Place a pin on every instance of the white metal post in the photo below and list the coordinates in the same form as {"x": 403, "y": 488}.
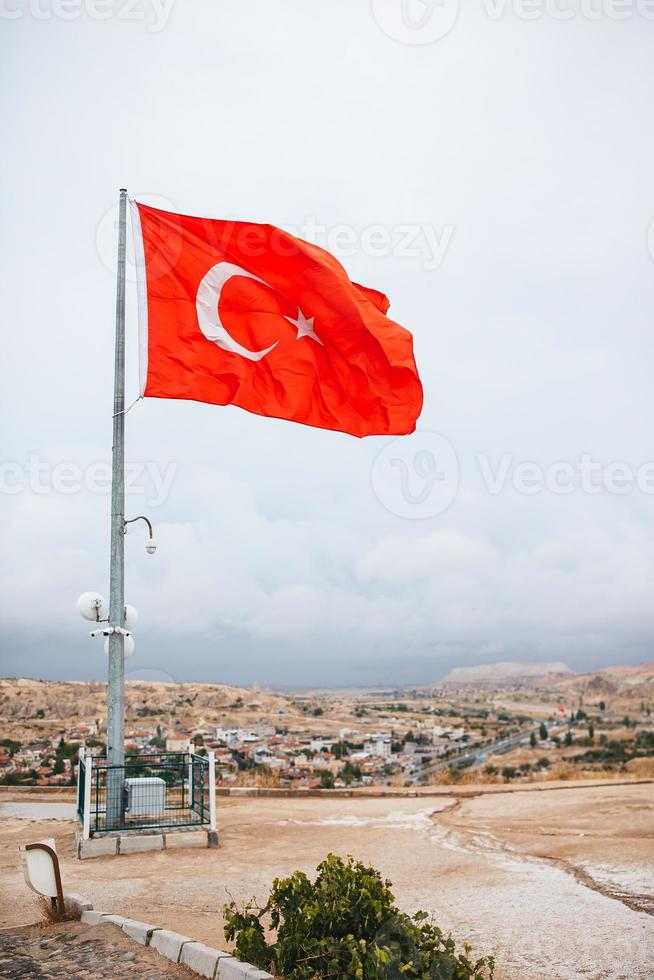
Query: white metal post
{"x": 212, "y": 791}
{"x": 80, "y": 763}
{"x": 88, "y": 775}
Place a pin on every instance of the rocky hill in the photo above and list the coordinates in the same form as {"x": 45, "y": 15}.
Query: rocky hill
{"x": 64, "y": 702}
{"x": 509, "y": 670}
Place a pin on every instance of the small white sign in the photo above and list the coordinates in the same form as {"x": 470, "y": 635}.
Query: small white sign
{"x": 39, "y": 867}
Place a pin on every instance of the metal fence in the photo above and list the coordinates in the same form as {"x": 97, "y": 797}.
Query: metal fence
{"x": 149, "y": 792}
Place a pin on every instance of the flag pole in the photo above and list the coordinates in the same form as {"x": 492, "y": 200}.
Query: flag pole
{"x": 116, "y": 669}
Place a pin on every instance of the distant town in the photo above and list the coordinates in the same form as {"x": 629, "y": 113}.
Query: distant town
{"x": 560, "y": 725}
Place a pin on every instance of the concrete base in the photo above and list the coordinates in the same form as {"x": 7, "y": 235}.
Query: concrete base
{"x": 139, "y": 841}
{"x": 96, "y": 847}
{"x": 186, "y": 838}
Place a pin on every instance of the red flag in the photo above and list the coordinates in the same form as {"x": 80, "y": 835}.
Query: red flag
{"x": 234, "y": 313}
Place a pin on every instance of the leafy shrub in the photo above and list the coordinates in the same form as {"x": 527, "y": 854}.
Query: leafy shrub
{"x": 345, "y": 924}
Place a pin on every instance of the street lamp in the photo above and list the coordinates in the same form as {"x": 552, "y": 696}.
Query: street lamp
{"x": 93, "y": 606}
{"x": 151, "y": 544}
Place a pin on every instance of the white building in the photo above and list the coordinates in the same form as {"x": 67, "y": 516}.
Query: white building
{"x": 379, "y": 745}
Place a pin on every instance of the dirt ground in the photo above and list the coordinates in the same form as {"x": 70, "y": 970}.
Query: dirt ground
{"x": 557, "y": 884}
{"x": 81, "y": 952}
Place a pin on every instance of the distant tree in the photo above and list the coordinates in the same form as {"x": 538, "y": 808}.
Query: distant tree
{"x": 317, "y": 712}
{"x": 533, "y": 741}
{"x": 542, "y": 731}
{"x": 58, "y": 765}
{"x": 544, "y": 762}
{"x": 326, "y": 779}
{"x": 509, "y": 773}
{"x": 10, "y": 779}
{"x": 11, "y": 745}
{"x": 602, "y": 705}
{"x": 350, "y": 773}
{"x": 568, "y": 737}
{"x": 591, "y": 730}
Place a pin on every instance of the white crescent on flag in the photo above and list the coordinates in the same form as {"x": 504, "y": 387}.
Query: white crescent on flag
{"x": 206, "y": 304}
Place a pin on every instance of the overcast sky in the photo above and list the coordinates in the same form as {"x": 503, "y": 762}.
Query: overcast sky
{"x": 493, "y": 175}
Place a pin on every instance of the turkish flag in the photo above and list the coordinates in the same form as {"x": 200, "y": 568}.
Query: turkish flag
{"x": 234, "y": 313}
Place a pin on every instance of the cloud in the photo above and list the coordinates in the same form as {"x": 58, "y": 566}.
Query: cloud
{"x": 276, "y": 560}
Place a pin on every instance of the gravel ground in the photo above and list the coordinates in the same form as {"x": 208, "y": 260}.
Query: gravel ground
{"x": 81, "y": 952}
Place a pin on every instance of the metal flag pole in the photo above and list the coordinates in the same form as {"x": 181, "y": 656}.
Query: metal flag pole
{"x": 116, "y": 673}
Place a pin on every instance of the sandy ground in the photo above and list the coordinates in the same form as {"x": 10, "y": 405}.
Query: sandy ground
{"x": 556, "y": 884}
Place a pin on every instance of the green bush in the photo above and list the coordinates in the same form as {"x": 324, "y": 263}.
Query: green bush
{"x": 345, "y": 924}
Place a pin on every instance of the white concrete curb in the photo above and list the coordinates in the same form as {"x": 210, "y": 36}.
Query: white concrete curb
{"x": 214, "y": 964}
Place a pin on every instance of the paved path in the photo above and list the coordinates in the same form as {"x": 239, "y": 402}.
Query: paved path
{"x": 80, "y": 952}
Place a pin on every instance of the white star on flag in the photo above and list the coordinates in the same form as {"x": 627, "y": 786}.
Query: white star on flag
{"x": 304, "y": 327}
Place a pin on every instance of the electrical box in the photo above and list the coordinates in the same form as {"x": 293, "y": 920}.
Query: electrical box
{"x": 146, "y": 795}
